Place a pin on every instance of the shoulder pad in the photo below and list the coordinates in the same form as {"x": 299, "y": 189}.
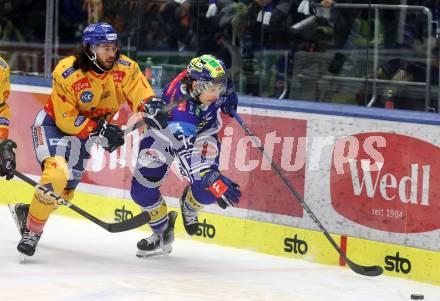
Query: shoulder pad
{"x": 67, "y": 72}
{"x": 64, "y": 67}
{"x": 179, "y": 128}
{"x": 175, "y": 83}
{"x": 124, "y": 62}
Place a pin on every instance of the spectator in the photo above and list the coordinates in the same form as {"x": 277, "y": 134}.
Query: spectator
{"x": 319, "y": 41}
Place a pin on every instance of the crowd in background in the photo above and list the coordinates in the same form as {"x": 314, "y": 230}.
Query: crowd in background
{"x": 261, "y": 41}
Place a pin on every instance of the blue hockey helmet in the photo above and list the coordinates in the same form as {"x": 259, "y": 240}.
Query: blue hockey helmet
{"x": 207, "y": 70}
{"x": 99, "y": 33}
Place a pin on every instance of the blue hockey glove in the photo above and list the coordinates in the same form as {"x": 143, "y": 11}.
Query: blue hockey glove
{"x": 109, "y": 136}
{"x": 155, "y": 114}
{"x": 227, "y": 192}
{"x": 7, "y": 158}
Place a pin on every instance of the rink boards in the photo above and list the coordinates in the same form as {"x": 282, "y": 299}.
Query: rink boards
{"x": 369, "y": 176}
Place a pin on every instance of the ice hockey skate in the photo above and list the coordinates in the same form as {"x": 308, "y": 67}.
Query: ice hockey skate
{"x": 28, "y": 243}
{"x": 158, "y": 244}
{"x": 189, "y": 217}
{"x": 19, "y": 213}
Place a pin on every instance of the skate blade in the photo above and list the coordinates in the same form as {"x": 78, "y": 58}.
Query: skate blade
{"x": 164, "y": 251}
{"x": 23, "y": 258}
{"x": 14, "y": 216}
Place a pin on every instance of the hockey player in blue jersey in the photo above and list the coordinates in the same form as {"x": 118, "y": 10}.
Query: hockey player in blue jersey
{"x": 184, "y": 134}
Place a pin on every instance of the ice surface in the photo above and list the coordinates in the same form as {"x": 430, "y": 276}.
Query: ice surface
{"x": 79, "y": 261}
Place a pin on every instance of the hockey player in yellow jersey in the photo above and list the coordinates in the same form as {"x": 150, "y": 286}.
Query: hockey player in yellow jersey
{"x": 87, "y": 90}
{"x": 7, "y": 146}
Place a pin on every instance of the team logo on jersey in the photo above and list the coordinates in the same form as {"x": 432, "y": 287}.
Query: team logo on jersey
{"x": 3, "y": 64}
{"x": 220, "y": 101}
{"x": 118, "y": 76}
{"x": 79, "y": 120}
{"x": 126, "y": 63}
{"x": 194, "y": 109}
{"x": 151, "y": 158}
{"x": 86, "y": 96}
{"x": 38, "y": 135}
{"x": 68, "y": 72}
{"x": 182, "y": 106}
{"x": 81, "y": 84}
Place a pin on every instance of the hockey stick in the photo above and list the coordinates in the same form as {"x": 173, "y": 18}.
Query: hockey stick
{"x": 360, "y": 269}
{"x": 134, "y": 126}
{"x": 132, "y": 223}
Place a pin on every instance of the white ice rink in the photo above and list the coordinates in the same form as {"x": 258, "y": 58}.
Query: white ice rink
{"x": 79, "y": 261}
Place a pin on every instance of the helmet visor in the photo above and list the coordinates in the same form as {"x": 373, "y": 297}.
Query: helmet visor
{"x": 104, "y": 48}
{"x": 212, "y": 86}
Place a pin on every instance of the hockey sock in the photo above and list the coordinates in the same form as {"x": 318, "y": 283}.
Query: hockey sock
{"x": 159, "y": 216}
{"x": 54, "y": 176}
{"x": 190, "y": 201}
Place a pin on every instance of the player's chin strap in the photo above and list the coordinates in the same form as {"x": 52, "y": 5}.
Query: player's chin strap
{"x": 360, "y": 269}
{"x": 132, "y": 223}
{"x": 94, "y": 59}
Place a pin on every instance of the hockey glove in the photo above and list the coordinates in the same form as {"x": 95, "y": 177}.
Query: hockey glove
{"x": 227, "y": 192}
{"x": 155, "y": 114}
{"x": 7, "y": 158}
{"x": 231, "y": 100}
{"x": 109, "y": 136}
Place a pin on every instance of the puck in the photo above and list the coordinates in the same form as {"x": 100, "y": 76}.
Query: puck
{"x": 417, "y": 297}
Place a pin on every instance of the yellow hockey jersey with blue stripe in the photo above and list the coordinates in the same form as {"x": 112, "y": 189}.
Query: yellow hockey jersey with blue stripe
{"x": 80, "y": 98}
{"x": 5, "y": 112}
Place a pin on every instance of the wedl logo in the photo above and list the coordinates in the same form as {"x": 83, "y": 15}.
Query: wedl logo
{"x": 387, "y": 181}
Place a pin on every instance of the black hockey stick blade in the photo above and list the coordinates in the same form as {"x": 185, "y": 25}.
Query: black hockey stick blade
{"x": 132, "y": 223}
{"x": 129, "y": 224}
{"x": 359, "y": 269}
{"x": 371, "y": 271}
